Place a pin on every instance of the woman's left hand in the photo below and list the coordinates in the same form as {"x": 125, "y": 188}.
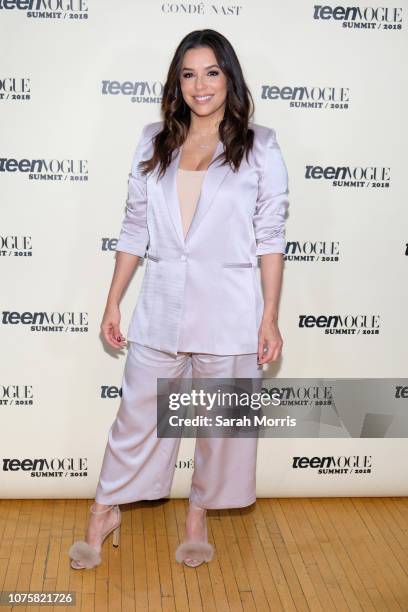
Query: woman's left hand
{"x": 269, "y": 336}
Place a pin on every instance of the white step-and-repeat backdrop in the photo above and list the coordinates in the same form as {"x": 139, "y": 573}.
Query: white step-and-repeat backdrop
{"x": 78, "y": 81}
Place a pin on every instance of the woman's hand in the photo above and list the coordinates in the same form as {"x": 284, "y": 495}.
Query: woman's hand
{"x": 110, "y": 327}
{"x": 269, "y": 336}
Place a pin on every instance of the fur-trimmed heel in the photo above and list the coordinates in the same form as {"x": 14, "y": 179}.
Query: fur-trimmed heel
{"x": 85, "y": 556}
{"x": 193, "y": 552}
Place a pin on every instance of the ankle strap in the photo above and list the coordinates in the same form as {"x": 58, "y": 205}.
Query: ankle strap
{"x": 101, "y": 511}
{"x": 196, "y": 507}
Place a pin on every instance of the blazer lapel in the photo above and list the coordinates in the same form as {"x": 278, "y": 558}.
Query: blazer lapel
{"x": 213, "y": 178}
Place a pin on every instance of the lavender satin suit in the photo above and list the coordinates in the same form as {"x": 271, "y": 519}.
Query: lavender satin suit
{"x": 197, "y": 315}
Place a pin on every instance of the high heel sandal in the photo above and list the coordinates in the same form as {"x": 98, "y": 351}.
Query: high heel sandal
{"x": 85, "y": 556}
{"x": 194, "y": 552}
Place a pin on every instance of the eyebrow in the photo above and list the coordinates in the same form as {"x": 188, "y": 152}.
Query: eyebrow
{"x": 206, "y": 67}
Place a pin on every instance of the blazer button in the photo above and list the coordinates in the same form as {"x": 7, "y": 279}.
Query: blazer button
{"x": 183, "y": 258}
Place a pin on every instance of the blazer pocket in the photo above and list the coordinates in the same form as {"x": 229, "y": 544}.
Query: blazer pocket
{"x": 237, "y": 265}
{"x": 153, "y": 257}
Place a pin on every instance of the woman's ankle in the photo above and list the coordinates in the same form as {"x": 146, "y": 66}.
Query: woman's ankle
{"x": 98, "y": 506}
{"x": 195, "y": 507}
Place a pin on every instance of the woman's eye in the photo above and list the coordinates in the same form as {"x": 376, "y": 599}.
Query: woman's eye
{"x": 212, "y": 72}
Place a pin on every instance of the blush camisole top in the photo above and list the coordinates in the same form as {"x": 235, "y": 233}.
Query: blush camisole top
{"x": 189, "y": 188}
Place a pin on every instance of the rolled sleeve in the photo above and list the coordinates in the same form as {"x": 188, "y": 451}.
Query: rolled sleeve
{"x": 272, "y": 201}
{"x": 134, "y": 235}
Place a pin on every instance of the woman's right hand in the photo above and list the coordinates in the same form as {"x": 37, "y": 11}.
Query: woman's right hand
{"x": 110, "y": 327}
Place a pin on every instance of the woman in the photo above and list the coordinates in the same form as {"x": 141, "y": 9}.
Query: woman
{"x": 207, "y": 197}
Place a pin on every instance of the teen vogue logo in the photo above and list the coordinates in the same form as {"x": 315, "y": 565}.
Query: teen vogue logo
{"x": 16, "y": 395}
{"x": 47, "y": 170}
{"x": 343, "y": 465}
{"x": 140, "y": 92}
{"x": 187, "y": 8}
{"x": 110, "y": 392}
{"x": 15, "y": 246}
{"x": 55, "y": 467}
{"x": 359, "y": 17}
{"x": 109, "y": 244}
{"x": 349, "y": 324}
{"x": 401, "y": 392}
{"x": 302, "y": 395}
{"x": 312, "y": 251}
{"x": 373, "y": 177}
{"x": 300, "y": 96}
{"x": 48, "y": 9}
{"x": 15, "y": 88}
{"x": 63, "y": 322}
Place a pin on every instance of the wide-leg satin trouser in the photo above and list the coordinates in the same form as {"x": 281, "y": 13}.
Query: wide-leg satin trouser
{"x": 137, "y": 465}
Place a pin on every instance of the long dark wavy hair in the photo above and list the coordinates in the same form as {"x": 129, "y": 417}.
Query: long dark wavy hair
{"x": 234, "y": 131}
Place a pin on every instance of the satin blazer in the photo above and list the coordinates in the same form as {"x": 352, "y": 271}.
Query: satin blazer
{"x": 206, "y": 288}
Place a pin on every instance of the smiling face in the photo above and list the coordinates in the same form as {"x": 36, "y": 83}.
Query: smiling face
{"x": 203, "y": 84}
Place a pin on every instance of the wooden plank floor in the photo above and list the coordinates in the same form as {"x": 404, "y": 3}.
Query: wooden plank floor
{"x": 278, "y": 554}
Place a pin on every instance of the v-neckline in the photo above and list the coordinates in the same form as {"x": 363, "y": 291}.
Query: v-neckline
{"x": 211, "y": 181}
{"x": 211, "y": 160}
{"x": 207, "y": 173}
